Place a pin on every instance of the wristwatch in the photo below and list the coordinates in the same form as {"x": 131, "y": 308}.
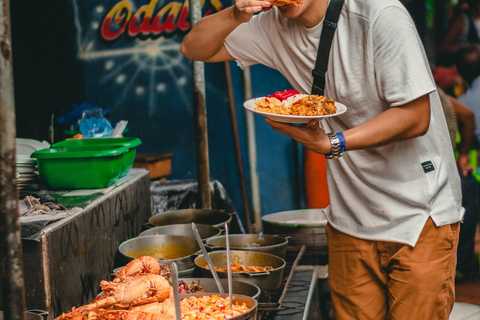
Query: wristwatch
{"x": 335, "y": 142}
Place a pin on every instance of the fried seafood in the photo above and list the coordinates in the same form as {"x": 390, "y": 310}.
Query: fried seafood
{"x": 145, "y": 264}
{"x": 313, "y": 105}
{"x": 237, "y": 267}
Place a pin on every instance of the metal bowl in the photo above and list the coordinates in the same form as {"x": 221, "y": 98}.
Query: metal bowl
{"x": 164, "y": 248}
{"x": 303, "y": 227}
{"x": 238, "y": 286}
{"x": 251, "y": 242}
{"x": 267, "y": 281}
{"x": 184, "y": 229}
{"x": 216, "y": 218}
{"x": 252, "y": 304}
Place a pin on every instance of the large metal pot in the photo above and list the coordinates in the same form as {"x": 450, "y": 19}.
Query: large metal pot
{"x": 303, "y": 227}
{"x": 164, "y": 248}
{"x": 251, "y": 303}
{"x": 266, "y": 281}
{"x": 184, "y": 229}
{"x": 251, "y": 242}
{"x": 216, "y": 218}
{"x": 28, "y": 316}
{"x": 238, "y": 286}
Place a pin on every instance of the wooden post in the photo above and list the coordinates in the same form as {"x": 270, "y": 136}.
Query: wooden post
{"x": 11, "y": 256}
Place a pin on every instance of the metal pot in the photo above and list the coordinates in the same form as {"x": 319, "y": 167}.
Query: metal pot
{"x": 28, "y": 316}
{"x": 251, "y": 242}
{"x": 238, "y": 287}
{"x": 266, "y": 281}
{"x": 252, "y": 304}
{"x": 184, "y": 229}
{"x": 303, "y": 227}
{"x": 164, "y": 248}
{"x": 216, "y": 218}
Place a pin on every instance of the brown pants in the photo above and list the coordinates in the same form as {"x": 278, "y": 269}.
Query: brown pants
{"x": 386, "y": 280}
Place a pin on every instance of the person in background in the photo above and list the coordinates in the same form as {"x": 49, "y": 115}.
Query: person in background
{"x": 395, "y": 199}
{"x": 463, "y": 29}
{"x": 467, "y": 61}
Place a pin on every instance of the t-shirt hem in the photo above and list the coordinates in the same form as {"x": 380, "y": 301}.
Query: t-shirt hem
{"x": 411, "y": 242}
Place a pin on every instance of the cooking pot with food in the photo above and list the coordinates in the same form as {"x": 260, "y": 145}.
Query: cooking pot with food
{"x": 28, "y": 316}
{"x": 251, "y": 242}
{"x": 184, "y": 229}
{"x": 267, "y": 280}
{"x": 214, "y": 217}
{"x": 164, "y": 248}
{"x": 251, "y": 305}
{"x": 209, "y": 285}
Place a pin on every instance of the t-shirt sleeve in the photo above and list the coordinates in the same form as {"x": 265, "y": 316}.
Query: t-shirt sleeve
{"x": 248, "y": 43}
{"x": 401, "y": 68}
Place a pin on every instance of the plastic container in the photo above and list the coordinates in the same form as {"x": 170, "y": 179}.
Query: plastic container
{"x": 130, "y": 143}
{"x": 87, "y": 167}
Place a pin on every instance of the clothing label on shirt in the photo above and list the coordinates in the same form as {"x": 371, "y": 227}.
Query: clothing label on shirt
{"x": 427, "y": 166}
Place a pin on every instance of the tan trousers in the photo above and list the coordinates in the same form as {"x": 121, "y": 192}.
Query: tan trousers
{"x": 385, "y": 280}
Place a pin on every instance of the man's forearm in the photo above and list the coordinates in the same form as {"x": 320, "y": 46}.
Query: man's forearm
{"x": 207, "y": 36}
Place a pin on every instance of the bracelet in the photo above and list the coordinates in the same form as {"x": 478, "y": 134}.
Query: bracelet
{"x": 342, "y": 141}
{"x": 335, "y": 143}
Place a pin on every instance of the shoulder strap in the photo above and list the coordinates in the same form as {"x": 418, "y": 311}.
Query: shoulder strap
{"x": 323, "y": 54}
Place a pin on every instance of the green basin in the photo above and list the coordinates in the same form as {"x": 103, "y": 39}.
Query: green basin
{"x": 80, "y": 167}
{"x": 130, "y": 143}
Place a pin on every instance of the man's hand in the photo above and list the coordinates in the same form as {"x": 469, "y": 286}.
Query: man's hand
{"x": 245, "y": 9}
{"x": 463, "y": 164}
{"x": 310, "y": 135}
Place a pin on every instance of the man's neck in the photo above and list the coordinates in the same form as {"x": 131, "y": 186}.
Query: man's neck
{"x": 314, "y": 13}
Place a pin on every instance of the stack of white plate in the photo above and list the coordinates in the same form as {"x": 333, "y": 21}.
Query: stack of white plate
{"x": 27, "y": 171}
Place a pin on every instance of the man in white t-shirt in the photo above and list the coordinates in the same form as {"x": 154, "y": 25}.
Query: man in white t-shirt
{"x": 395, "y": 194}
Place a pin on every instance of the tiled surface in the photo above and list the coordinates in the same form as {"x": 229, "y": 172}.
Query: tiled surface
{"x": 469, "y": 291}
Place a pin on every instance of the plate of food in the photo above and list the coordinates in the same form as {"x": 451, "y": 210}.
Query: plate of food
{"x": 290, "y": 106}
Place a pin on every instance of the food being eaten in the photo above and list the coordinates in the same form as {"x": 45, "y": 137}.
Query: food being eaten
{"x": 281, "y": 3}
{"x": 297, "y": 105}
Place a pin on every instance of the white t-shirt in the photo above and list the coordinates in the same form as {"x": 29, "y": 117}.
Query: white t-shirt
{"x": 376, "y": 62}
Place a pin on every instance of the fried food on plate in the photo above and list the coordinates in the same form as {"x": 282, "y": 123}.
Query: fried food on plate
{"x": 313, "y": 105}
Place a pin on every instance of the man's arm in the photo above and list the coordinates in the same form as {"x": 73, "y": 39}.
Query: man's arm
{"x": 205, "y": 41}
{"x": 395, "y": 124}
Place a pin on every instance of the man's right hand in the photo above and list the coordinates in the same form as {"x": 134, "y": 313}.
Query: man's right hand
{"x": 245, "y": 9}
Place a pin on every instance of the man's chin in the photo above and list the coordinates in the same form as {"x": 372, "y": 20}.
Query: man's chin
{"x": 289, "y": 11}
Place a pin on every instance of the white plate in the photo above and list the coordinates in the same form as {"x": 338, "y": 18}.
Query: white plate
{"x": 28, "y": 146}
{"x": 250, "y": 106}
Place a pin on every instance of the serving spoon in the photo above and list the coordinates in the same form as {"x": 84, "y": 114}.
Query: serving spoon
{"x": 207, "y": 258}
{"x": 229, "y": 267}
{"x": 176, "y": 295}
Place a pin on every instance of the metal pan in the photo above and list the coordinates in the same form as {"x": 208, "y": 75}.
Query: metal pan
{"x": 252, "y": 304}
{"x": 238, "y": 287}
{"x": 251, "y": 242}
{"x": 164, "y": 248}
{"x": 216, "y": 218}
{"x": 266, "y": 281}
{"x": 184, "y": 229}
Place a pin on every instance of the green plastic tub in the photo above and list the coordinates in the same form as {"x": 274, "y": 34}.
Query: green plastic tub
{"x": 88, "y": 167}
{"x": 130, "y": 143}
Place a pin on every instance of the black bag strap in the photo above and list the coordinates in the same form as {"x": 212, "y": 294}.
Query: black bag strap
{"x": 323, "y": 54}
